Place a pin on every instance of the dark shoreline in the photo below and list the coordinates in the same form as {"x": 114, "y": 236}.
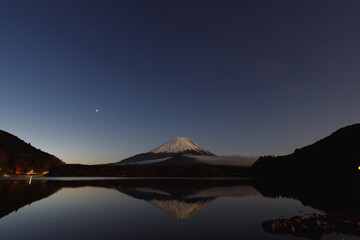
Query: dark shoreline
{"x": 134, "y": 170}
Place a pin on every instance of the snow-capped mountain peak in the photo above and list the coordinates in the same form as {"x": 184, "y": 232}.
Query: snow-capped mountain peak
{"x": 174, "y": 148}
{"x": 179, "y": 145}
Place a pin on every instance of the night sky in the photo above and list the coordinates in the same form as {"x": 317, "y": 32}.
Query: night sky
{"x": 98, "y": 81}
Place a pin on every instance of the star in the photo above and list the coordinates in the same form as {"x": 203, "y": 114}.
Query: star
{"x": 97, "y": 110}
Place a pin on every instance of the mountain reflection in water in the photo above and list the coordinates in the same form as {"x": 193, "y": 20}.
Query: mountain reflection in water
{"x": 179, "y": 198}
{"x": 182, "y": 199}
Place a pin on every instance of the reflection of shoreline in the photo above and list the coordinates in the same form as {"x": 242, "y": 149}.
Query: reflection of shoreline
{"x": 338, "y": 199}
{"x": 316, "y": 226}
{"x": 16, "y": 194}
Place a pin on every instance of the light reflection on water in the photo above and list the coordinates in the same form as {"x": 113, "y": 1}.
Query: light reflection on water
{"x": 133, "y": 210}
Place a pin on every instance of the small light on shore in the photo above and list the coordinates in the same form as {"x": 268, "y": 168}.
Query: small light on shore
{"x": 359, "y": 167}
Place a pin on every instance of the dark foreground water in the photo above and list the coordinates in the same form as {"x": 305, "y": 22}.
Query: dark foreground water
{"x": 174, "y": 209}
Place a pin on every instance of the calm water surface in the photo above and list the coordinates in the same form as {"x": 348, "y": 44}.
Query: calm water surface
{"x": 159, "y": 209}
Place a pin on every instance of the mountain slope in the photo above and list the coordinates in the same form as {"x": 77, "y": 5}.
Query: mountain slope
{"x": 336, "y": 155}
{"x": 173, "y": 148}
{"x": 16, "y": 156}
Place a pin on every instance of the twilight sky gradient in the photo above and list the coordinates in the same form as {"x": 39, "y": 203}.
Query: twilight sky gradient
{"x": 237, "y": 77}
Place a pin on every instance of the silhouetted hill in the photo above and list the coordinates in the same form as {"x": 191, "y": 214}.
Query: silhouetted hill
{"x": 16, "y": 156}
{"x": 336, "y": 155}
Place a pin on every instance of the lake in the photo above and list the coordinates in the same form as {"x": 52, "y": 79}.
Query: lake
{"x": 107, "y": 208}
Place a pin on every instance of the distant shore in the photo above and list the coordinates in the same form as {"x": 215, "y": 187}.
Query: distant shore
{"x": 4, "y": 176}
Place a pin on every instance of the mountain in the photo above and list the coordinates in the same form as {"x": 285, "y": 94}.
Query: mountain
{"x": 335, "y": 156}
{"x": 174, "y": 148}
{"x": 19, "y": 157}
